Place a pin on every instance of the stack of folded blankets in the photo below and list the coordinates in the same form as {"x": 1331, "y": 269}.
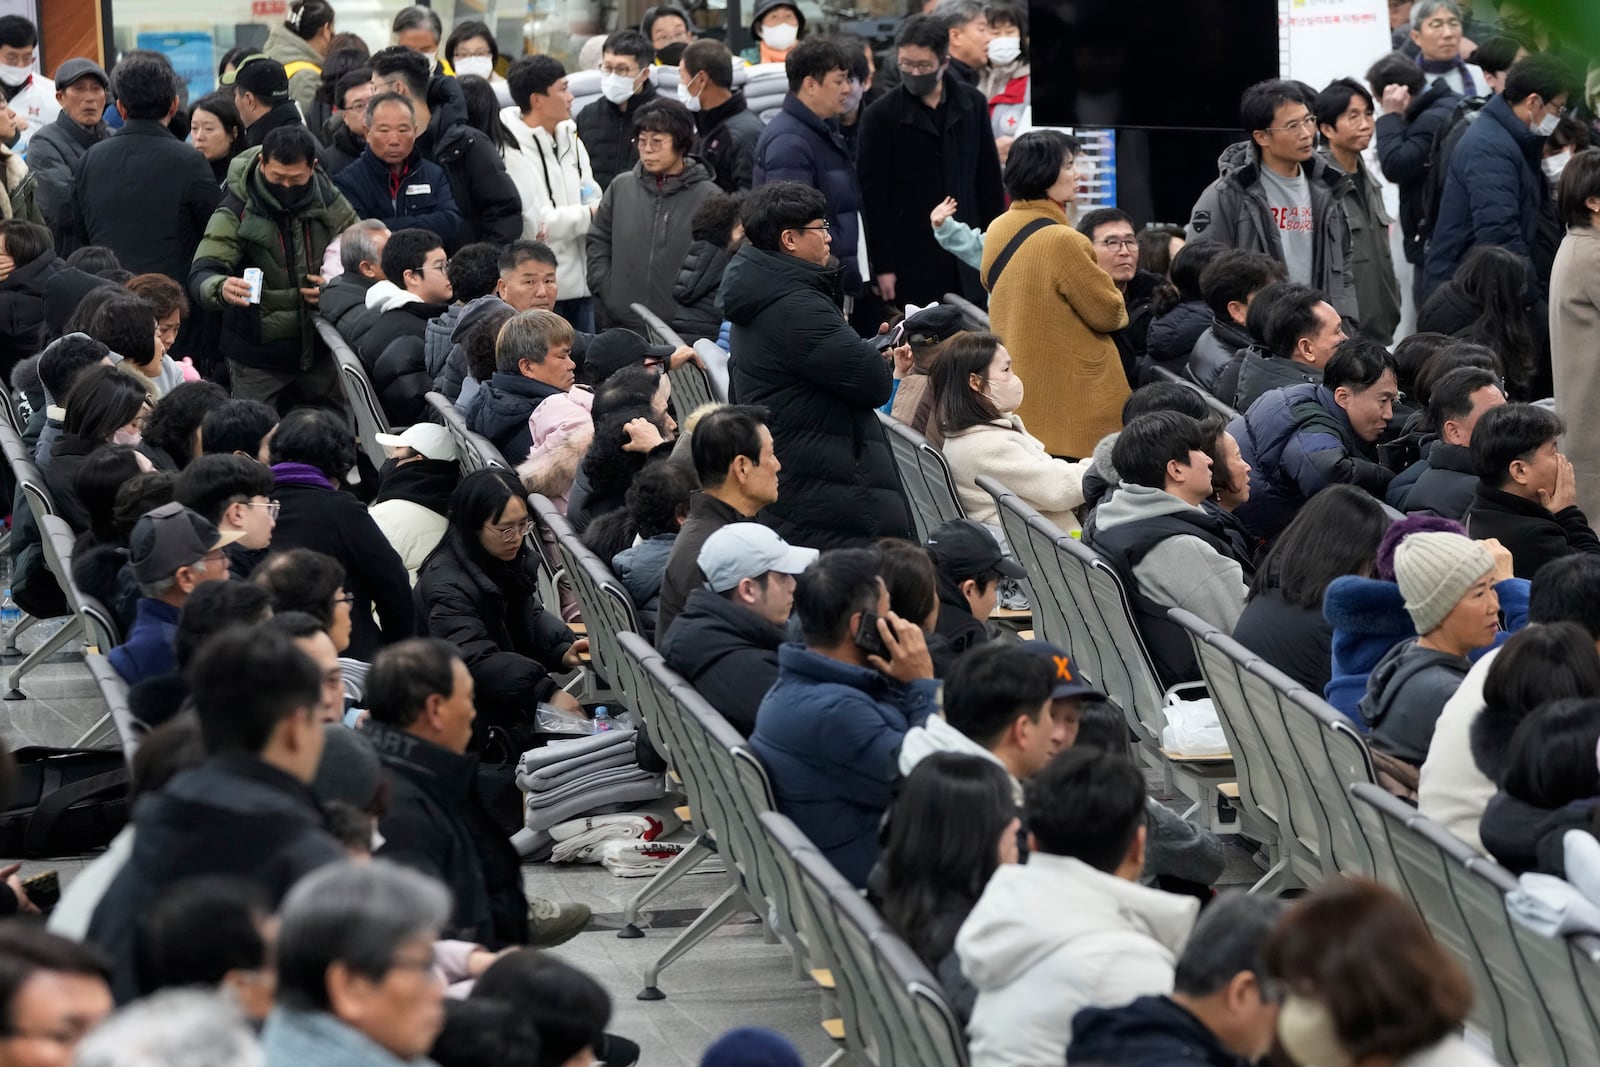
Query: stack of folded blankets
{"x": 584, "y": 776}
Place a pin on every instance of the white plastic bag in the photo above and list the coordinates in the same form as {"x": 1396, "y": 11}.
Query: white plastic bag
{"x": 1193, "y": 729}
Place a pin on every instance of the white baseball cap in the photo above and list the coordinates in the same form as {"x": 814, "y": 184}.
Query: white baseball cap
{"x": 425, "y": 438}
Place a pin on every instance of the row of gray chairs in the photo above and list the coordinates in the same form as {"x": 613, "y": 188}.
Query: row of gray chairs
{"x": 692, "y": 387}
{"x": 359, "y": 395}
{"x": 1165, "y": 375}
{"x": 605, "y": 605}
{"x": 476, "y": 451}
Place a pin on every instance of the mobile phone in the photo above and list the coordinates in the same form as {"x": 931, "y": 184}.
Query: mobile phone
{"x": 43, "y": 889}
{"x": 892, "y": 339}
{"x": 868, "y": 639}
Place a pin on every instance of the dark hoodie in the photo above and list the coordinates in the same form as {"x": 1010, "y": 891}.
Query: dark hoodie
{"x": 1150, "y": 1032}
{"x": 502, "y": 413}
{"x": 959, "y": 628}
{"x": 235, "y": 815}
{"x": 1175, "y": 332}
{"x": 1523, "y": 837}
{"x": 491, "y": 209}
{"x": 697, "y": 292}
{"x": 1405, "y": 694}
{"x": 450, "y": 370}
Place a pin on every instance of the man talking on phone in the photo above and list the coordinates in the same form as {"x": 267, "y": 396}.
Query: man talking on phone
{"x": 279, "y": 213}
{"x": 830, "y": 729}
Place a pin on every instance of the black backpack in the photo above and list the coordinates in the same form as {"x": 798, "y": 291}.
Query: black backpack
{"x": 1444, "y": 145}
{"x": 65, "y": 801}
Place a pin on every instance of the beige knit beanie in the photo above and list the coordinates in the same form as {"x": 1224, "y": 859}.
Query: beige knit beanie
{"x": 1434, "y": 571}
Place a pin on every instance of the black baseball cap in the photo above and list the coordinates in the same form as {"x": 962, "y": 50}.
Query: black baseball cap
{"x": 962, "y": 548}
{"x": 611, "y": 350}
{"x": 261, "y": 76}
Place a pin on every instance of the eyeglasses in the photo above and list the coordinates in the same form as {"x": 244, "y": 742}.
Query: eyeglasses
{"x": 272, "y": 506}
{"x": 626, "y": 72}
{"x": 821, "y": 227}
{"x": 1112, "y": 244}
{"x": 347, "y": 598}
{"x": 512, "y": 532}
{"x": 441, "y": 266}
{"x": 1307, "y": 123}
{"x": 653, "y": 144}
{"x": 918, "y": 68}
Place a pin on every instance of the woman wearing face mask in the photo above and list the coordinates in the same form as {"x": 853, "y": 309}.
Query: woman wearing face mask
{"x": 419, "y": 29}
{"x": 1051, "y": 301}
{"x": 105, "y": 406}
{"x": 471, "y": 49}
{"x": 299, "y": 42}
{"x": 1006, "y": 82}
{"x": 777, "y": 25}
{"x": 976, "y": 393}
{"x": 1365, "y": 984}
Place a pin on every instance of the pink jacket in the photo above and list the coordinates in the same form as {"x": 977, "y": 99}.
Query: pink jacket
{"x": 561, "y": 430}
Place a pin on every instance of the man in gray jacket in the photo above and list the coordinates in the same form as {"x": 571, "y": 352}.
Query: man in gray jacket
{"x": 55, "y": 151}
{"x": 1275, "y": 195}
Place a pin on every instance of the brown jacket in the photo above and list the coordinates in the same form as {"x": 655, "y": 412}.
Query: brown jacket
{"x": 1055, "y": 309}
{"x": 1574, "y": 346}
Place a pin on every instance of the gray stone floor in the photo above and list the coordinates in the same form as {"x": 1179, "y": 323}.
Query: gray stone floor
{"x": 734, "y": 978}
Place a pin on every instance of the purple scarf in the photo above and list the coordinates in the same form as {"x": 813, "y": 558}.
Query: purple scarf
{"x": 1445, "y": 66}
{"x": 299, "y": 474}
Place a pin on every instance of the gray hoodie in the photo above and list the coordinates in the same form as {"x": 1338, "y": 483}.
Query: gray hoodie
{"x": 1180, "y": 572}
{"x": 1405, "y": 694}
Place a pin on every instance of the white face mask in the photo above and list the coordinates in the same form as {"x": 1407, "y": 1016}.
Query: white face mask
{"x": 124, "y": 437}
{"x": 482, "y": 66}
{"x": 1006, "y": 395}
{"x": 1554, "y": 165}
{"x": 15, "y": 76}
{"x": 779, "y": 37}
{"x": 617, "y": 88}
{"x": 1547, "y": 125}
{"x": 688, "y": 99}
{"x": 1003, "y": 50}
{"x": 432, "y": 58}
{"x": 853, "y": 101}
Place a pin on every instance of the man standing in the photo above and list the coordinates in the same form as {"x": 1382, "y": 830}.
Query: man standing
{"x": 727, "y": 130}
{"x": 278, "y": 215}
{"x": 1493, "y": 188}
{"x": 606, "y": 126}
{"x": 725, "y": 640}
{"x": 800, "y": 144}
{"x": 1436, "y": 27}
{"x": 56, "y": 149}
{"x": 391, "y": 182}
{"x": 967, "y": 27}
{"x": 1275, "y": 195}
{"x": 490, "y": 208}
{"x": 1116, "y": 249}
{"x": 800, "y": 359}
{"x": 922, "y": 142}
{"x": 261, "y": 93}
{"x": 31, "y": 95}
{"x": 420, "y": 695}
{"x": 1412, "y": 118}
{"x": 142, "y": 193}
{"x": 1344, "y": 118}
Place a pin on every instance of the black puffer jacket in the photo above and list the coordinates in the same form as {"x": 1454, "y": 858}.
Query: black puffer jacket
{"x": 402, "y": 381}
{"x": 607, "y": 132}
{"x": 1174, "y": 332}
{"x": 727, "y": 652}
{"x": 437, "y": 823}
{"x": 22, "y": 309}
{"x": 697, "y": 292}
{"x": 491, "y": 210}
{"x": 1214, "y": 351}
{"x": 799, "y": 358}
{"x": 492, "y": 613}
{"x": 343, "y": 305}
{"x": 1133, "y": 339}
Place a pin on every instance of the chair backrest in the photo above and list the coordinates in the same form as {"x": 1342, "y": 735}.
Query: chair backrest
{"x": 634, "y": 680}
{"x": 691, "y": 386}
{"x": 1585, "y": 950}
{"x": 977, "y": 318}
{"x": 1422, "y": 867}
{"x": 1212, "y": 402}
{"x": 1123, "y": 668}
{"x": 552, "y": 571}
{"x": 933, "y": 499}
{"x": 733, "y": 809}
{"x": 686, "y": 759}
{"x": 920, "y": 1002}
{"x": 1222, "y": 661}
{"x": 1332, "y": 757}
{"x": 114, "y": 691}
{"x": 1553, "y": 965}
{"x": 476, "y": 451}
{"x": 27, "y": 473}
{"x": 1267, "y": 690}
{"x": 359, "y": 394}
{"x": 1029, "y": 545}
{"x": 607, "y": 609}
{"x": 102, "y": 632}
{"x": 8, "y": 410}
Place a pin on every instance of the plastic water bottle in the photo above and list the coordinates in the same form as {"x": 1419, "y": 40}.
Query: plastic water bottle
{"x": 602, "y": 720}
{"x": 589, "y": 193}
{"x": 10, "y": 616}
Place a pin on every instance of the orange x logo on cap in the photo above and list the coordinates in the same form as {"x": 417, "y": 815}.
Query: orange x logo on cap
{"x": 1063, "y": 668}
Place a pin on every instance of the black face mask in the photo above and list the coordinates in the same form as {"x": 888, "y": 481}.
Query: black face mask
{"x": 921, "y": 84}
{"x": 288, "y": 197}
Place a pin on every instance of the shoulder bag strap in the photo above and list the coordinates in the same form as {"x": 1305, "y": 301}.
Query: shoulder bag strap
{"x": 1011, "y": 248}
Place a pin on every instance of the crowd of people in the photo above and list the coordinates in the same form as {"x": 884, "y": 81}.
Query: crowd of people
{"x": 336, "y": 665}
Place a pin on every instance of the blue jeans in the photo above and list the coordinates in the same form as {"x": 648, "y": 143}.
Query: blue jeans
{"x": 579, "y": 313}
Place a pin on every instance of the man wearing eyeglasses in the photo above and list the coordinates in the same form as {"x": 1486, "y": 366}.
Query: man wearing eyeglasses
{"x": 1274, "y": 195}
{"x": 173, "y": 551}
{"x": 1116, "y": 249}
{"x": 926, "y": 140}
{"x": 233, "y": 493}
{"x": 417, "y": 290}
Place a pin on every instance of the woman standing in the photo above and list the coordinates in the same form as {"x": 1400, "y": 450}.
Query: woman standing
{"x": 1575, "y": 322}
{"x": 1052, "y": 304}
{"x": 471, "y": 50}
{"x": 299, "y": 42}
{"x": 217, "y": 132}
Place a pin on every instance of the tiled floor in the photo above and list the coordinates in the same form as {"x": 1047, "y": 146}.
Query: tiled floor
{"x": 735, "y": 978}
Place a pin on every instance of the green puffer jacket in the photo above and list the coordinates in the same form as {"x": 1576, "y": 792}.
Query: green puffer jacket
{"x": 250, "y": 229}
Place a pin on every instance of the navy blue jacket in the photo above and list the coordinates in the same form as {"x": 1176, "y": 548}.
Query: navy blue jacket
{"x": 502, "y": 411}
{"x": 1299, "y": 441}
{"x": 830, "y": 735}
{"x": 149, "y": 650}
{"x": 1150, "y": 1032}
{"x": 1492, "y": 193}
{"x": 419, "y": 197}
{"x": 797, "y": 146}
